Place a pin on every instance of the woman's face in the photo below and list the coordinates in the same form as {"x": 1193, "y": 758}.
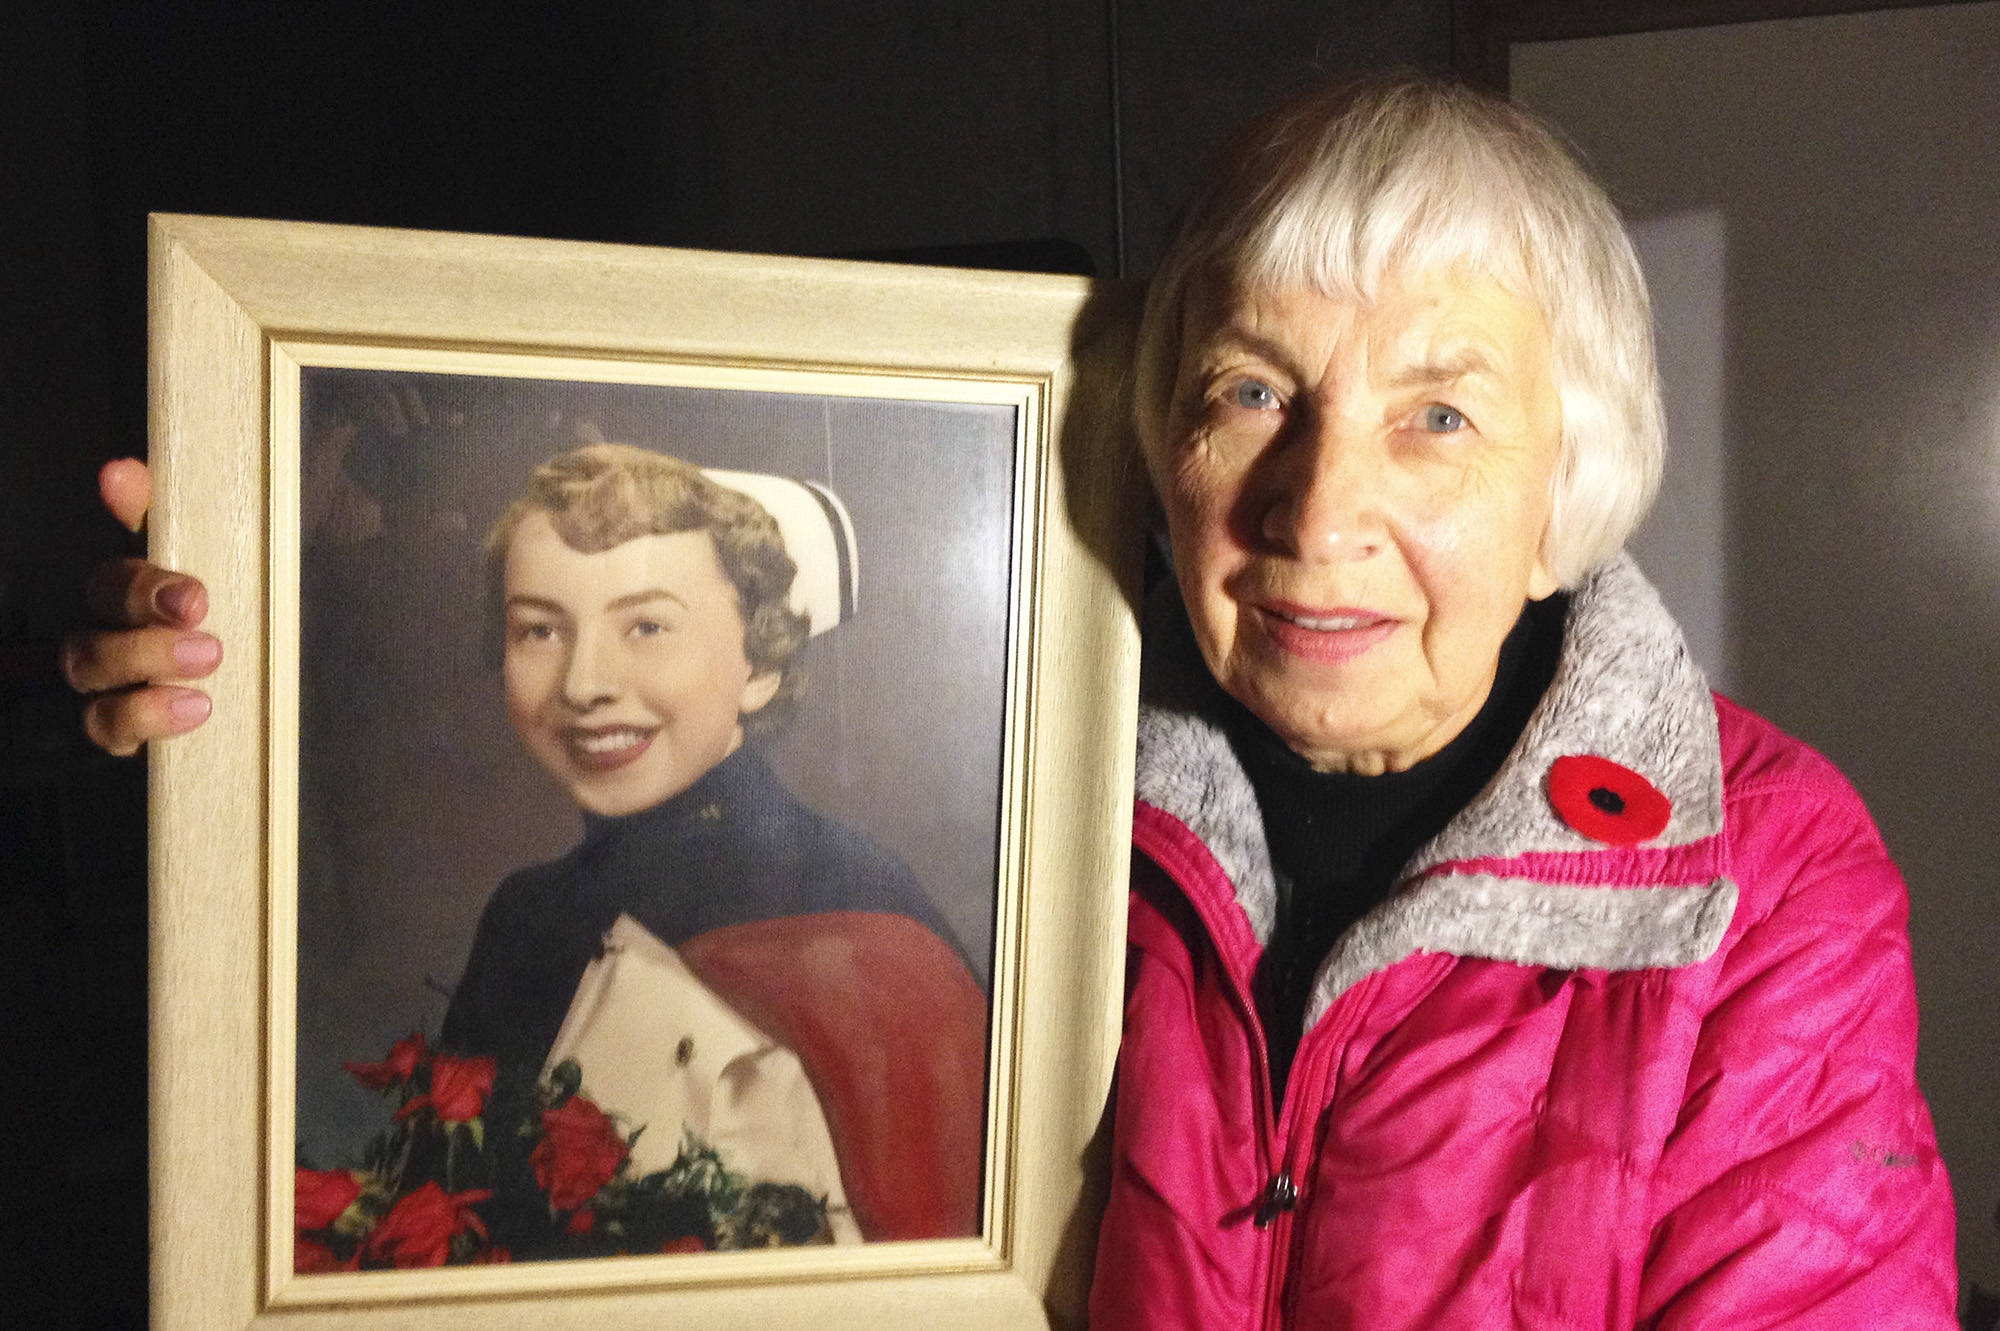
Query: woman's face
{"x": 626, "y": 676}
{"x": 1357, "y": 495}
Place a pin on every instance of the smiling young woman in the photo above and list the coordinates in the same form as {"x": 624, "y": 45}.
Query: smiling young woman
{"x": 648, "y": 630}
{"x": 625, "y": 668}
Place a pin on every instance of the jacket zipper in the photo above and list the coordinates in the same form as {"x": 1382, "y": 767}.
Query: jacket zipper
{"x": 1285, "y": 1142}
{"x": 1283, "y": 1198}
{"x": 1280, "y": 1197}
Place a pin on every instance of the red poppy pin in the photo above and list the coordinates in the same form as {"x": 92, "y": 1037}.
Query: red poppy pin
{"x": 1605, "y": 801}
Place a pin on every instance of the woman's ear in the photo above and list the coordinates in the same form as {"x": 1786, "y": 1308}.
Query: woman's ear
{"x": 1541, "y": 583}
{"x": 758, "y": 690}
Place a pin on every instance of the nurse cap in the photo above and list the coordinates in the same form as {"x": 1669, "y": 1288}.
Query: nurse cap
{"x": 818, "y": 535}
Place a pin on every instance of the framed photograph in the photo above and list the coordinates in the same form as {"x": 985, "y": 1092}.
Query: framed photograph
{"x": 659, "y": 854}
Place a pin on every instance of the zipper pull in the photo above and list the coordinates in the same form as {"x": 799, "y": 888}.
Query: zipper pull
{"x": 1280, "y": 1194}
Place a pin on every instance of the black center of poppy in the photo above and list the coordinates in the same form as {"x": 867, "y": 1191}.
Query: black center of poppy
{"x": 1607, "y": 799}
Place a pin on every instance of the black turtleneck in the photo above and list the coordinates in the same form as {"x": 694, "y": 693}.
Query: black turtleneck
{"x": 1338, "y": 840}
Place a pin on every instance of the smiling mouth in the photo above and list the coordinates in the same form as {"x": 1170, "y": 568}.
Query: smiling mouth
{"x": 1326, "y": 623}
{"x": 607, "y": 748}
{"x": 1325, "y": 636}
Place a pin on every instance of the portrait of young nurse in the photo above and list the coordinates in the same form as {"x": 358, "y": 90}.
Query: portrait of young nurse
{"x": 650, "y": 764}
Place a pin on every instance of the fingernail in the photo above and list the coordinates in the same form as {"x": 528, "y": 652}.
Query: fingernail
{"x": 197, "y": 653}
{"x": 188, "y": 710}
{"x": 174, "y": 599}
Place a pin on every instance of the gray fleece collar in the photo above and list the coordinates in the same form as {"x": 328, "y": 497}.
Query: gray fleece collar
{"x": 1625, "y": 689}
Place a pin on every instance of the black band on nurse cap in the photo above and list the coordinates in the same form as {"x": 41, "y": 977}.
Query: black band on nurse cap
{"x": 818, "y": 535}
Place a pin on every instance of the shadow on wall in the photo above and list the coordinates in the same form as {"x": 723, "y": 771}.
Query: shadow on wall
{"x": 1684, "y": 543}
{"x": 1833, "y": 266}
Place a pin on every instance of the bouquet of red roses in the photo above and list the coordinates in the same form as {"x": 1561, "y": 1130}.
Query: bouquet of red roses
{"x": 477, "y": 1167}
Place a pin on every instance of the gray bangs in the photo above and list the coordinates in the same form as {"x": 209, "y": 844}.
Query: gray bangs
{"x": 1363, "y": 211}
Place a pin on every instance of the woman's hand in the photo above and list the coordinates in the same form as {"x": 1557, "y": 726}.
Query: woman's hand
{"x": 130, "y": 669}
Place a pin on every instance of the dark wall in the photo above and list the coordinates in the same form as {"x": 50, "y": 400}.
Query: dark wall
{"x": 961, "y": 131}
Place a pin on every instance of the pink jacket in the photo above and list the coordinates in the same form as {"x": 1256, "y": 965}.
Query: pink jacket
{"x": 1552, "y": 1082}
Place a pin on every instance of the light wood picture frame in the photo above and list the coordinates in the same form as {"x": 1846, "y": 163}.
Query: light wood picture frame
{"x": 253, "y": 324}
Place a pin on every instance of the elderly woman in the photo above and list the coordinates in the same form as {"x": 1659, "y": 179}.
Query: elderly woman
{"x": 1485, "y": 969}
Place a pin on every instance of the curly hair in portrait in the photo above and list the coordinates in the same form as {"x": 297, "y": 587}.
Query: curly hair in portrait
{"x": 602, "y": 495}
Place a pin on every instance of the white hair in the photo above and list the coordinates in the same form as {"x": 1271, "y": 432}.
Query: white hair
{"x": 1348, "y": 185}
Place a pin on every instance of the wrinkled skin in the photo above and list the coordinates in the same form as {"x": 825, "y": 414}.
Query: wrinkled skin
{"x": 1357, "y": 494}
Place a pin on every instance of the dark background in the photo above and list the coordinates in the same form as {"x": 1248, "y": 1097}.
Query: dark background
{"x": 1048, "y": 134}
{"x": 973, "y": 132}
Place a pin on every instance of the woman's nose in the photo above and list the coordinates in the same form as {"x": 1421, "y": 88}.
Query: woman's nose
{"x": 588, "y": 678}
{"x": 1327, "y": 501}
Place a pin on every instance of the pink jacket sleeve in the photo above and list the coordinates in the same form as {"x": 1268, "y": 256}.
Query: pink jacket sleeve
{"x": 1802, "y": 1186}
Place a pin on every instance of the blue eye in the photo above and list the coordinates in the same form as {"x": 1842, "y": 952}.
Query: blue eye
{"x": 1256, "y": 395}
{"x": 1440, "y": 419}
